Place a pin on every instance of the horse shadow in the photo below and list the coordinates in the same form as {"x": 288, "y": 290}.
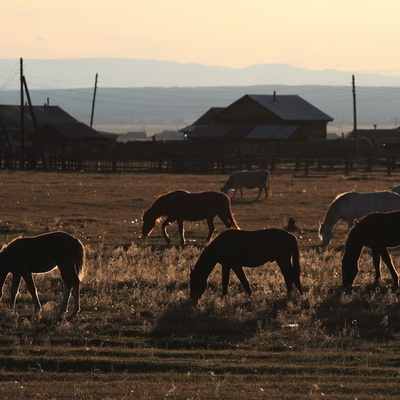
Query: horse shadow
{"x": 182, "y": 320}
{"x": 246, "y": 201}
{"x": 358, "y": 312}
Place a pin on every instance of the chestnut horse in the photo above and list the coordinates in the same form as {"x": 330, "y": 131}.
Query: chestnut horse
{"x": 377, "y": 231}
{"x": 181, "y": 205}
{"x": 24, "y": 256}
{"x": 235, "y": 249}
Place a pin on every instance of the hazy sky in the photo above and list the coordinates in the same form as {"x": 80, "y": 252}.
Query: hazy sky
{"x": 350, "y": 35}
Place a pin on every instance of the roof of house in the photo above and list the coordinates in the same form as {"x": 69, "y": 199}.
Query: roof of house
{"x": 11, "y": 116}
{"x": 260, "y": 110}
{"x": 48, "y": 118}
{"x": 378, "y": 135}
{"x": 289, "y": 107}
{"x": 209, "y": 116}
{"x": 248, "y": 131}
{"x": 77, "y": 130}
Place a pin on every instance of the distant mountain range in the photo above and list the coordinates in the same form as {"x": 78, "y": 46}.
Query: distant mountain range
{"x": 140, "y": 92}
{"x": 78, "y": 73}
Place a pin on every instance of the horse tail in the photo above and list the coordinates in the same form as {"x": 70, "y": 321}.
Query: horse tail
{"x": 296, "y": 257}
{"x": 80, "y": 259}
{"x": 233, "y": 222}
{"x": 230, "y": 216}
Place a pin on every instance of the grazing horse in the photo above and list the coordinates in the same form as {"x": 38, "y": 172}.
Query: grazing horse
{"x": 235, "y": 249}
{"x": 181, "y": 205}
{"x": 376, "y": 231}
{"x": 24, "y": 256}
{"x": 248, "y": 179}
{"x": 354, "y": 205}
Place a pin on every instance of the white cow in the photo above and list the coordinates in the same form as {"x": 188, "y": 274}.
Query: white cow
{"x": 248, "y": 179}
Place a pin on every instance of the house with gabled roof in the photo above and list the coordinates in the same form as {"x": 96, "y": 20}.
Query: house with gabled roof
{"x": 262, "y": 118}
{"x": 55, "y": 127}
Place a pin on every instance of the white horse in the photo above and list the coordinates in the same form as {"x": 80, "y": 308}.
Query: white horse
{"x": 396, "y": 189}
{"x": 353, "y": 205}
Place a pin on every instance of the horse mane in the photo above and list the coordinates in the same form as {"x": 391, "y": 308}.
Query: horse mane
{"x": 6, "y": 245}
{"x": 333, "y": 207}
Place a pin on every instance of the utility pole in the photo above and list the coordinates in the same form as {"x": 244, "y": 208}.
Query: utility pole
{"x": 44, "y": 156}
{"x": 22, "y": 114}
{"x": 354, "y": 115}
{"x": 94, "y": 101}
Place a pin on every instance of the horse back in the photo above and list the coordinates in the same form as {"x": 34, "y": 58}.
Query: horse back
{"x": 378, "y": 229}
{"x": 44, "y": 252}
{"x": 195, "y": 206}
{"x": 254, "y": 248}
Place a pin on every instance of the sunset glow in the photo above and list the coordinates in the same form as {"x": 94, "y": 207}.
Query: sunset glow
{"x": 339, "y": 34}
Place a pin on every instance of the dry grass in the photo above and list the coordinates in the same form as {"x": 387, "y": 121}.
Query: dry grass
{"x": 138, "y": 337}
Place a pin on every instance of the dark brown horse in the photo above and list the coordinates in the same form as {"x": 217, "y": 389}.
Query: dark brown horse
{"x": 377, "y": 231}
{"x": 185, "y": 206}
{"x": 27, "y": 255}
{"x": 235, "y": 249}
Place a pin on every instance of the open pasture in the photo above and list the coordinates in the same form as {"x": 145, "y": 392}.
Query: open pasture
{"x": 138, "y": 337}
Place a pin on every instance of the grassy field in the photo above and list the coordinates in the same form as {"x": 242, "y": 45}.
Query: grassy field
{"x": 138, "y": 336}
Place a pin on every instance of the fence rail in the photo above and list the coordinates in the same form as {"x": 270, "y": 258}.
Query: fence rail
{"x": 186, "y": 163}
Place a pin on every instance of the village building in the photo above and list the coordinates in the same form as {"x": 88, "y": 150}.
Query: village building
{"x": 49, "y": 127}
{"x": 258, "y": 121}
{"x": 377, "y": 136}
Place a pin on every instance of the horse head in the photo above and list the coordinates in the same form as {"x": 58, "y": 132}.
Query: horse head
{"x": 198, "y": 285}
{"x": 224, "y": 189}
{"x": 325, "y": 234}
{"x": 148, "y": 224}
{"x": 349, "y": 270}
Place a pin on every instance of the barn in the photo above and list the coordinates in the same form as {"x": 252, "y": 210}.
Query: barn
{"x": 258, "y": 120}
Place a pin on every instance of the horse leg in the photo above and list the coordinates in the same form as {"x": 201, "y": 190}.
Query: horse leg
{"x": 287, "y": 272}
{"x": 259, "y": 193}
{"x": 3, "y": 276}
{"x": 77, "y": 301}
{"x": 225, "y": 279}
{"x": 234, "y": 193}
{"x": 388, "y": 261}
{"x": 211, "y": 227}
{"x": 376, "y": 258}
{"x": 30, "y": 283}
{"x": 181, "y": 231}
{"x": 164, "y": 230}
{"x": 16, "y": 280}
{"x": 70, "y": 282}
{"x": 242, "y": 278}
{"x": 66, "y": 296}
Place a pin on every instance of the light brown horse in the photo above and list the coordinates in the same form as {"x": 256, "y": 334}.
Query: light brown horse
{"x": 24, "y": 256}
{"x": 181, "y": 205}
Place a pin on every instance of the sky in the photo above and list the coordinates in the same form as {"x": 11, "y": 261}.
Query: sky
{"x": 347, "y": 35}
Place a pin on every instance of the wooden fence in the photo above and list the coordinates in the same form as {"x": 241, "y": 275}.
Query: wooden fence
{"x": 196, "y": 164}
